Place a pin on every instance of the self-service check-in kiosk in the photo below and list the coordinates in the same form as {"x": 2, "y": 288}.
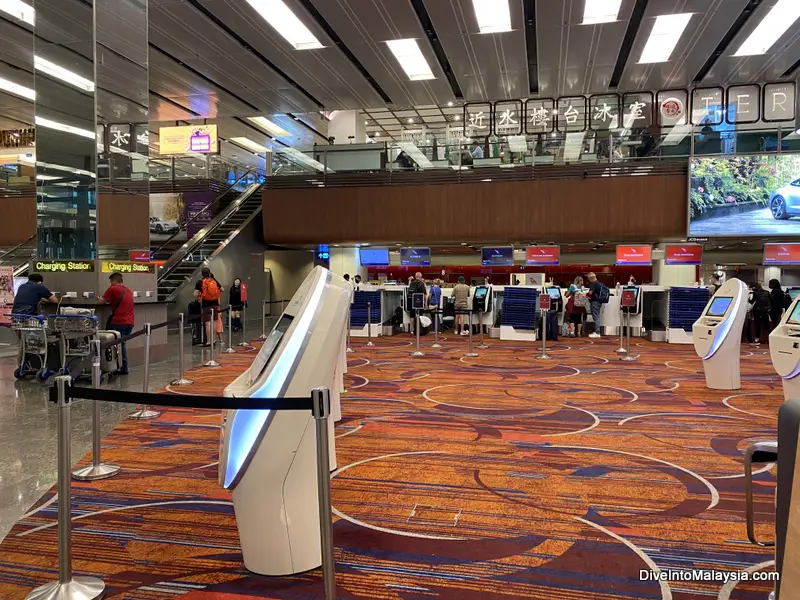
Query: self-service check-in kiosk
{"x": 784, "y": 349}
{"x": 717, "y": 335}
{"x": 482, "y": 299}
{"x": 268, "y": 458}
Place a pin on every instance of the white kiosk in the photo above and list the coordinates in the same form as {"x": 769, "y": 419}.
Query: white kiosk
{"x": 717, "y": 335}
{"x": 268, "y": 458}
{"x": 784, "y": 349}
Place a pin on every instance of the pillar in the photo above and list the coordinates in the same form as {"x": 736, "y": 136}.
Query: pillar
{"x": 346, "y": 260}
{"x": 671, "y": 275}
{"x": 346, "y": 123}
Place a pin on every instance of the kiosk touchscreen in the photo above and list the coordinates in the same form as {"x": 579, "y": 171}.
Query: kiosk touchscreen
{"x": 556, "y": 301}
{"x": 268, "y": 458}
{"x": 784, "y": 349}
{"x": 481, "y": 299}
{"x": 717, "y": 335}
{"x": 794, "y": 292}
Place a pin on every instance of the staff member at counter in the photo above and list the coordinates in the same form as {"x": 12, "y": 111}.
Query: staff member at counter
{"x": 120, "y": 298}
{"x": 30, "y": 294}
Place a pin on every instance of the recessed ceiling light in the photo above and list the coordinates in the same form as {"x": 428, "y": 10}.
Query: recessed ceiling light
{"x": 667, "y": 30}
{"x": 600, "y": 11}
{"x": 285, "y": 22}
{"x": 409, "y": 55}
{"x": 411, "y": 120}
{"x": 16, "y": 89}
{"x": 42, "y": 122}
{"x": 458, "y": 117}
{"x": 449, "y": 104}
{"x": 65, "y": 75}
{"x": 493, "y": 15}
{"x": 250, "y": 144}
{"x": 19, "y": 10}
{"x": 377, "y": 134}
{"x": 772, "y": 27}
{"x": 269, "y": 126}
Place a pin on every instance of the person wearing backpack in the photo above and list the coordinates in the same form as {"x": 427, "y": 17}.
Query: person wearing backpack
{"x": 598, "y": 295}
{"x": 576, "y": 307}
{"x": 209, "y": 291}
{"x": 779, "y": 301}
{"x": 761, "y": 308}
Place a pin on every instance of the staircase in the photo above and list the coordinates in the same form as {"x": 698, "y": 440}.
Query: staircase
{"x": 184, "y": 260}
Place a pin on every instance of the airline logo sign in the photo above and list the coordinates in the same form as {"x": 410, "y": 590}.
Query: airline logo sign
{"x": 628, "y": 299}
{"x": 684, "y": 254}
{"x": 782, "y": 254}
{"x": 543, "y": 255}
{"x": 634, "y": 255}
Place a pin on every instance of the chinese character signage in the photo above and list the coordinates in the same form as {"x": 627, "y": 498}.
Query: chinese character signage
{"x": 119, "y": 137}
{"x": 142, "y": 141}
{"x": 637, "y": 110}
{"x": 508, "y": 117}
{"x": 478, "y": 119}
{"x": 540, "y": 115}
{"x": 604, "y": 112}
{"x": 708, "y": 106}
{"x": 571, "y": 114}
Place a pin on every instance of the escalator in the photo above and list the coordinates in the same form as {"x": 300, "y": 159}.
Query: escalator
{"x": 188, "y": 258}
{"x": 19, "y": 256}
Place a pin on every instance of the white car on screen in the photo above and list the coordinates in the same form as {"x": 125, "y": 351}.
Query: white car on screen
{"x": 785, "y": 202}
{"x": 158, "y": 225}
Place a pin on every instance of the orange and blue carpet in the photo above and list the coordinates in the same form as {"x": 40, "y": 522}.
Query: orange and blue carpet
{"x": 493, "y": 477}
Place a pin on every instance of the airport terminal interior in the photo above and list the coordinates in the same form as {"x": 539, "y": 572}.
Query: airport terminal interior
{"x": 369, "y": 300}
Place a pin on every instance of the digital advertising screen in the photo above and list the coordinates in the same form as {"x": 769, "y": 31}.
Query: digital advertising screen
{"x": 781, "y": 254}
{"x": 374, "y": 257}
{"x": 543, "y": 255}
{"x": 415, "y": 257}
{"x": 719, "y": 306}
{"x": 745, "y": 195}
{"x": 188, "y": 139}
{"x": 502, "y": 256}
{"x": 634, "y": 255}
{"x": 684, "y": 254}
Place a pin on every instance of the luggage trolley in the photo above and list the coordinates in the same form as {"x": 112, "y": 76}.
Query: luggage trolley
{"x": 33, "y": 340}
{"x": 75, "y": 334}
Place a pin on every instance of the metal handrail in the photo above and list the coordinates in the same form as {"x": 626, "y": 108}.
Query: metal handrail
{"x": 17, "y": 247}
{"x": 178, "y": 257}
{"x": 203, "y": 210}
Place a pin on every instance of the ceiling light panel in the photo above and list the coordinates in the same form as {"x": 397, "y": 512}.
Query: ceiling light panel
{"x": 65, "y": 75}
{"x": 269, "y": 126}
{"x": 667, "y": 30}
{"x": 600, "y": 11}
{"x": 16, "y": 89}
{"x": 19, "y": 10}
{"x": 409, "y": 55}
{"x": 493, "y": 16}
{"x": 42, "y": 122}
{"x": 285, "y": 22}
{"x": 250, "y": 144}
{"x": 776, "y": 22}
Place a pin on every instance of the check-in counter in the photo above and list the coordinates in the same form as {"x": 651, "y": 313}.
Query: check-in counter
{"x": 651, "y": 309}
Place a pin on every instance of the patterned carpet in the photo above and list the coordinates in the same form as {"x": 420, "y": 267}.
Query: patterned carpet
{"x": 493, "y": 478}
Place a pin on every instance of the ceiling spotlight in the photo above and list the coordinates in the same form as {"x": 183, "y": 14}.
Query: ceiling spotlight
{"x": 411, "y": 120}
{"x": 449, "y": 104}
{"x": 458, "y": 117}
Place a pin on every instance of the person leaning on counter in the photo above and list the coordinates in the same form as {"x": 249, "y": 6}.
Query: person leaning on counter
{"x": 120, "y": 298}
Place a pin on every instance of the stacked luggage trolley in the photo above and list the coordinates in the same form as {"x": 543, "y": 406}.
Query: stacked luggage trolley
{"x": 69, "y": 334}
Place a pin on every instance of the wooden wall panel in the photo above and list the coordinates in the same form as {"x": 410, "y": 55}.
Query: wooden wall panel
{"x": 123, "y": 220}
{"x": 614, "y": 208}
{"x": 17, "y": 220}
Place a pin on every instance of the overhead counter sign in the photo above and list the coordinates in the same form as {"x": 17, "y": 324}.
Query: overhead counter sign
{"x": 543, "y": 255}
{"x": 189, "y": 139}
{"x": 782, "y": 254}
{"x": 634, "y": 255}
{"x": 64, "y": 266}
{"x": 126, "y": 266}
{"x": 684, "y": 254}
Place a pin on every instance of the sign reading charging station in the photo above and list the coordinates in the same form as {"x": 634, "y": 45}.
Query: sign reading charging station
{"x": 64, "y": 266}
{"x": 126, "y": 266}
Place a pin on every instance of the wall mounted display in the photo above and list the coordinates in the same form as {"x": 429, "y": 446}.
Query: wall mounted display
{"x": 418, "y": 257}
{"x": 781, "y": 254}
{"x": 745, "y": 195}
{"x": 543, "y": 255}
{"x": 502, "y": 256}
{"x": 634, "y": 255}
{"x": 683, "y": 254}
{"x": 188, "y": 139}
{"x": 373, "y": 257}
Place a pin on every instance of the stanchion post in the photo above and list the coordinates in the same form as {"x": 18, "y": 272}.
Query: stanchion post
{"x": 482, "y": 345}
{"x": 628, "y": 356}
{"x": 436, "y": 343}
{"x": 349, "y": 347}
{"x": 621, "y": 349}
{"x": 144, "y": 413}
{"x": 211, "y": 362}
{"x": 369, "y": 324}
{"x": 322, "y": 405}
{"x": 97, "y": 470}
{"x": 230, "y": 349}
{"x": 544, "y": 355}
{"x": 263, "y": 319}
{"x": 470, "y": 351}
{"x": 417, "y": 352}
{"x": 67, "y": 587}
{"x": 181, "y": 380}
{"x": 244, "y": 326}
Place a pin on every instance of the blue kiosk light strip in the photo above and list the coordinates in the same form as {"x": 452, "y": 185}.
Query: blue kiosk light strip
{"x": 247, "y": 427}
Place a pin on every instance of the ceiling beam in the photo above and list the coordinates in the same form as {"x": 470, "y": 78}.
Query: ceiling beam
{"x": 438, "y": 49}
{"x": 627, "y": 43}
{"x": 531, "y": 46}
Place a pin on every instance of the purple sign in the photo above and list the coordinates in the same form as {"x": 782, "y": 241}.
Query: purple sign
{"x": 200, "y": 142}
{"x": 195, "y": 217}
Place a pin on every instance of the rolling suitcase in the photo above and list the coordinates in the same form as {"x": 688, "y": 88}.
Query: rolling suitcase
{"x": 111, "y": 357}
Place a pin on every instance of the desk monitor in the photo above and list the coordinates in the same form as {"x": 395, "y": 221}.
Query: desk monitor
{"x": 719, "y": 306}
{"x": 794, "y": 318}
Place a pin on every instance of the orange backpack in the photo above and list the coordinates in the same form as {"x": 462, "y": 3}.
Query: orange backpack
{"x": 210, "y": 291}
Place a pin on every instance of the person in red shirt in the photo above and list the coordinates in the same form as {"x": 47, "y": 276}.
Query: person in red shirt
{"x": 120, "y": 298}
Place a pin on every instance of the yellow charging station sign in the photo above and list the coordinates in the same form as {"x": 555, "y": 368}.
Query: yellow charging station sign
{"x": 64, "y": 266}
{"x": 127, "y": 267}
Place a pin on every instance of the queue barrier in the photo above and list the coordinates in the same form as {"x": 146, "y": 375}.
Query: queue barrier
{"x": 63, "y": 393}
{"x": 470, "y": 351}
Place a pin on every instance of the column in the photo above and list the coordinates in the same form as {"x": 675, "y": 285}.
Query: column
{"x": 671, "y": 275}
{"x": 347, "y": 123}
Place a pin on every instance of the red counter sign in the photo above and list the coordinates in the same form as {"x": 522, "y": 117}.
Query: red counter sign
{"x": 628, "y": 299}
{"x": 634, "y": 255}
{"x": 544, "y": 301}
{"x": 544, "y": 255}
{"x": 139, "y": 255}
{"x": 684, "y": 254}
{"x": 782, "y": 254}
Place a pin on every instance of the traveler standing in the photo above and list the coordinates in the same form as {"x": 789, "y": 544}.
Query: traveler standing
{"x": 779, "y": 301}
{"x": 30, "y": 294}
{"x": 416, "y": 286}
{"x": 236, "y": 304}
{"x": 761, "y": 307}
{"x": 716, "y": 283}
{"x": 434, "y": 301}
{"x": 357, "y": 283}
{"x": 461, "y": 298}
{"x": 120, "y": 298}
{"x": 576, "y": 307}
{"x": 209, "y": 291}
{"x": 598, "y": 295}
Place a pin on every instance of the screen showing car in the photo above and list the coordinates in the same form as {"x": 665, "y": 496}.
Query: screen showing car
{"x": 418, "y": 257}
{"x": 371, "y": 257}
{"x": 502, "y": 256}
{"x": 745, "y": 195}
{"x": 719, "y": 306}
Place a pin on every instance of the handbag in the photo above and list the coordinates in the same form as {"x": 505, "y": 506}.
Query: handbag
{"x": 114, "y": 310}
